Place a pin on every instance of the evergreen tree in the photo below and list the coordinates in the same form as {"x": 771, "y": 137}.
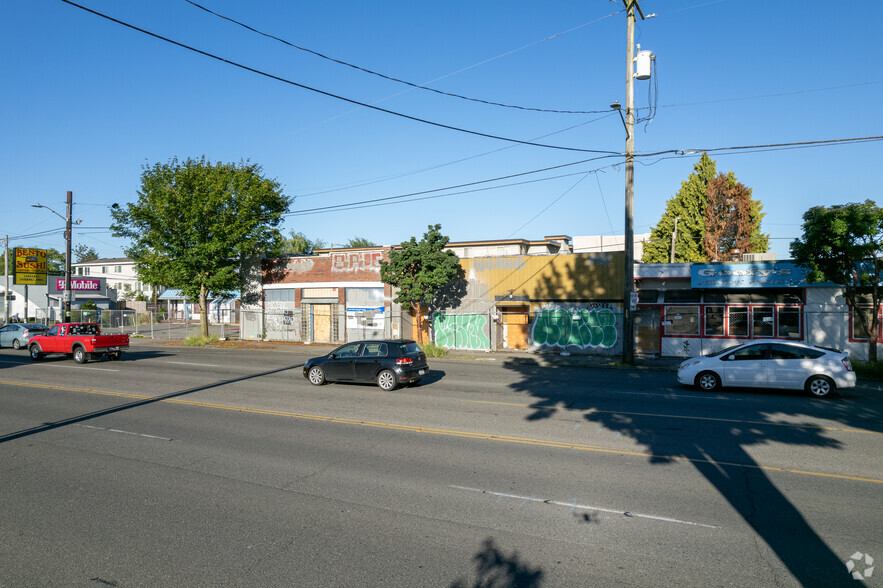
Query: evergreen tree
{"x": 715, "y": 213}
{"x": 688, "y": 206}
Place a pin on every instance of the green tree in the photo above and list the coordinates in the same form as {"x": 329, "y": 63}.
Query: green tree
{"x": 83, "y": 252}
{"x": 419, "y": 269}
{"x": 689, "y": 207}
{"x": 360, "y": 242}
{"x": 732, "y": 219}
{"x": 299, "y": 244}
{"x": 194, "y": 221}
{"x": 843, "y": 244}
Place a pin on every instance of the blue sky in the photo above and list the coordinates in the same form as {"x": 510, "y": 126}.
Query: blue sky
{"x": 88, "y": 102}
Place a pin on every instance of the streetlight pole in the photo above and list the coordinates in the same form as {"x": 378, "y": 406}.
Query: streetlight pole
{"x": 67, "y": 258}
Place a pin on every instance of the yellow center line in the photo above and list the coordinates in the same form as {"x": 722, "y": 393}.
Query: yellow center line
{"x": 588, "y": 411}
{"x": 443, "y": 432}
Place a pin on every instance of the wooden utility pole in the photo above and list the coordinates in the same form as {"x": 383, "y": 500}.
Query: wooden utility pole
{"x": 629, "y": 294}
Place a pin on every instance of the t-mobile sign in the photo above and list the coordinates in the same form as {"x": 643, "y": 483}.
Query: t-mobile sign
{"x": 79, "y": 284}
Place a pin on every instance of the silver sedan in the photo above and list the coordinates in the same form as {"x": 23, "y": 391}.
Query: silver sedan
{"x": 771, "y": 364}
{"x": 17, "y": 335}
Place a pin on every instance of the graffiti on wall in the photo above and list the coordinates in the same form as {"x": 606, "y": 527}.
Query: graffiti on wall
{"x": 585, "y": 326}
{"x": 299, "y": 265}
{"x": 354, "y": 261}
{"x": 461, "y": 331}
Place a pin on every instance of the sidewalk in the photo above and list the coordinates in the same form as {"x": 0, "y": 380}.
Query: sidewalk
{"x": 549, "y": 359}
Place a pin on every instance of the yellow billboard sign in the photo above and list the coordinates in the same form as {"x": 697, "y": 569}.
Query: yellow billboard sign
{"x": 30, "y": 267}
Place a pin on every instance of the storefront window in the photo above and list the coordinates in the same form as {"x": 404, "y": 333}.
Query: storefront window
{"x": 789, "y": 322}
{"x": 857, "y": 331}
{"x": 681, "y": 320}
{"x": 737, "y": 319}
{"x": 763, "y": 322}
{"x": 714, "y": 321}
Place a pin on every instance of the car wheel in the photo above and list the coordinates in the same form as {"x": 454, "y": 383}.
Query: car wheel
{"x": 16, "y": 344}
{"x": 316, "y": 376}
{"x": 80, "y": 355}
{"x": 819, "y": 386}
{"x": 708, "y": 381}
{"x": 386, "y": 380}
{"x": 35, "y": 353}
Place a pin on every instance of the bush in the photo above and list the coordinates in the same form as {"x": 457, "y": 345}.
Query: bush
{"x": 866, "y": 370}
{"x": 433, "y": 350}
{"x": 200, "y": 341}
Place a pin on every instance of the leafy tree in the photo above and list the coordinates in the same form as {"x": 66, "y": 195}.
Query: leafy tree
{"x": 732, "y": 219}
{"x": 195, "y": 220}
{"x": 299, "y": 244}
{"x": 715, "y": 213}
{"x": 688, "y": 206}
{"x": 420, "y": 269}
{"x": 843, "y": 244}
{"x": 360, "y": 242}
{"x": 83, "y": 252}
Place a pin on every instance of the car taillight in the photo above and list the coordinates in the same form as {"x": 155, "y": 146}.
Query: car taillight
{"x": 25, "y": 334}
{"x": 404, "y": 361}
{"x": 846, "y": 364}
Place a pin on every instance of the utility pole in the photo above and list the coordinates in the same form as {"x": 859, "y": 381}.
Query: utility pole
{"x": 6, "y": 272}
{"x": 628, "y": 320}
{"x": 68, "y": 233}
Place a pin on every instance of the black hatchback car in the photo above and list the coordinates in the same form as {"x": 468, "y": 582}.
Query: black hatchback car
{"x": 387, "y": 362}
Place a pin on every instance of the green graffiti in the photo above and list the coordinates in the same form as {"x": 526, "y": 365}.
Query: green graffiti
{"x": 461, "y": 331}
{"x": 583, "y": 327}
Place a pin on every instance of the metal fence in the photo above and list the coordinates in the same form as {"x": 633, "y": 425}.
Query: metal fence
{"x": 151, "y": 325}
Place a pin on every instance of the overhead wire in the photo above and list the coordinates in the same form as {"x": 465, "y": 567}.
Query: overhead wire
{"x": 411, "y": 84}
{"x": 441, "y": 165}
{"x": 672, "y": 153}
{"x": 323, "y": 92}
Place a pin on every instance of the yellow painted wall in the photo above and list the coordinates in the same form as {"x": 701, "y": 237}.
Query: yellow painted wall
{"x": 546, "y": 278}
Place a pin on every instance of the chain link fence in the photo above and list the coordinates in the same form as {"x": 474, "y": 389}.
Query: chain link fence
{"x": 153, "y": 325}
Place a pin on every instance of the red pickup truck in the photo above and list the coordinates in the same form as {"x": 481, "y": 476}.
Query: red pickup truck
{"x": 82, "y": 341}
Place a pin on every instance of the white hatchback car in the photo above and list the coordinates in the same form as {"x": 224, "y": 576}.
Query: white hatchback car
{"x": 771, "y": 364}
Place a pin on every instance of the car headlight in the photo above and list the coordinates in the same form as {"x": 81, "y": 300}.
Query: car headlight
{"x": 687, "y": 364}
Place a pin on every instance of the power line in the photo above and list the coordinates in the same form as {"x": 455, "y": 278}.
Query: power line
{"x": 323, "y": 92}
{"x": 411, "y": 84}
{"x": 359, "y": 184}
{"x": 454, "y": 187}
{"x": 411, "y": 197}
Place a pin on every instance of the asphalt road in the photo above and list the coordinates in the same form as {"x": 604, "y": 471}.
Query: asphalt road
{"x": 196, "y": 467}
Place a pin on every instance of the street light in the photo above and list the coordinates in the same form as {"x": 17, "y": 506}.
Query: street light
{"x": 67, "y": 258}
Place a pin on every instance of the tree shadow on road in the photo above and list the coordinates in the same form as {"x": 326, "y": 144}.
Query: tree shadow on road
{"x": 130, "y": 405}
{"x": 717, "y": 446}
{"x": 496, "y": 569}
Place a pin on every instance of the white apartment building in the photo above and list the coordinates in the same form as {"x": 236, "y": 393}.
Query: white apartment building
{"x": 118, "y": 273}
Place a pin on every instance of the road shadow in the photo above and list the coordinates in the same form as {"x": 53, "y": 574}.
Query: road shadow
{"x": 130, "y": 405}
{"x": 497, "y": 569}
{"x": 717, "y": 447}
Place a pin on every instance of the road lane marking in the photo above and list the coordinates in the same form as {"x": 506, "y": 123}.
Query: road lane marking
{"x": 124, "y": 432}
{"x": 574, "y": 506}
{"x": 448, "y": 432}
{"x": 61, "y": 365}
{"x": 195, "y": 364}
{"x": 590, "y": 411}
